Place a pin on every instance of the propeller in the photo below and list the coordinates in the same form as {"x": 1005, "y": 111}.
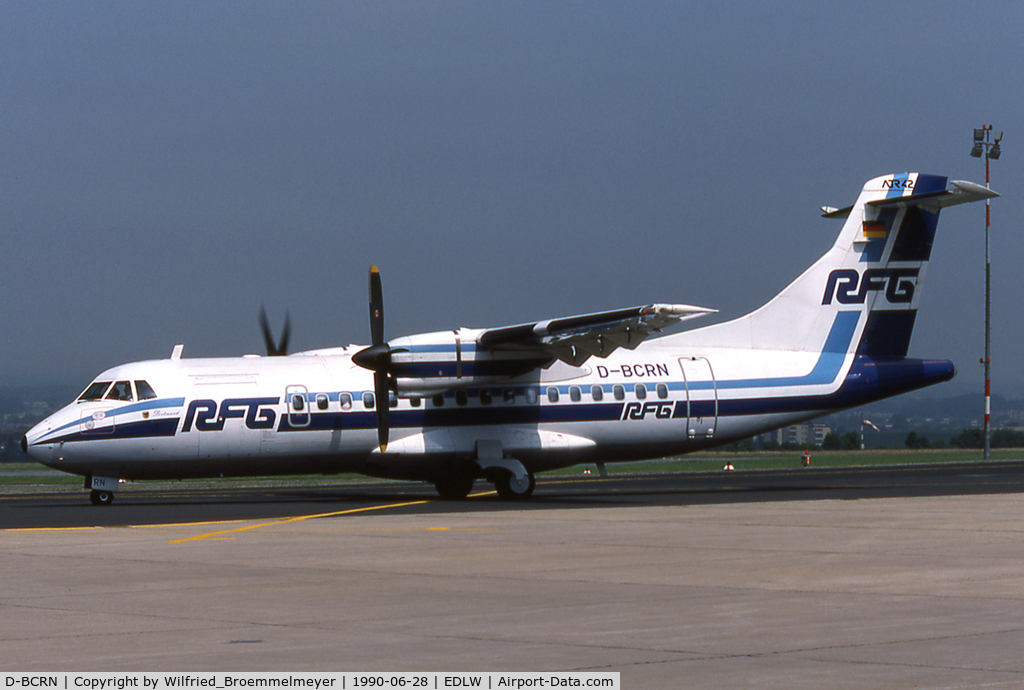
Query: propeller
{"x": 377, "y": 358}
{"x": 275, "y": 349}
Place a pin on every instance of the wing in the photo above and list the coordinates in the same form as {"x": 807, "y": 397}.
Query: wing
{"x": 575, "y": 339}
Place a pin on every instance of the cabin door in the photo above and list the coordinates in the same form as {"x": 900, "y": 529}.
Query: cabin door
{"x": 701, "y": 397}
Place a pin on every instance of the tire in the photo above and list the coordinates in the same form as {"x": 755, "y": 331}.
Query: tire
{"x": 101, "y": 498}
{"x": 511, "y": 490}
{"x": 454, "y": 487}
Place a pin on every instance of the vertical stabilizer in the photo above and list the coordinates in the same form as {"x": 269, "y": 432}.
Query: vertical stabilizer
{"x": 870, "y": 278}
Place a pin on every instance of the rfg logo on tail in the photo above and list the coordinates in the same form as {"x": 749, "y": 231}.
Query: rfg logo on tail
{"x": 848, "y": 286}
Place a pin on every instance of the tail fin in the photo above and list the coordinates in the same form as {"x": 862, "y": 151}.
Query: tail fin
{"x": 862, "y": 295}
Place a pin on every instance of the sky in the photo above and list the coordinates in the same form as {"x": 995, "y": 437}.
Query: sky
{"x": 166, "y": 168}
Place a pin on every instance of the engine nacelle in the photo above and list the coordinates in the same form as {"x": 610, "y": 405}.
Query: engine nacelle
{"x": 434, "y": 362}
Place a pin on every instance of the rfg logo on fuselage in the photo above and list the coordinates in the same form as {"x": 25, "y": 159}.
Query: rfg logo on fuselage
{"x": 637, "y": 411}
{"x": 254, "y": 411}
{"x": 848, "y": 286}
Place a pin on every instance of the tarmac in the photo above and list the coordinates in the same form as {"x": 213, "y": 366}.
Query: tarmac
{"x": 867, "y": 593}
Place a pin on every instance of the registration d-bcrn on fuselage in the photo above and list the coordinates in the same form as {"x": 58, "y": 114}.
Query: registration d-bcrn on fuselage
{"x": 505, "y": 403}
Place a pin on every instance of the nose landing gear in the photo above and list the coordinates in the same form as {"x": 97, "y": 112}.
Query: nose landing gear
{"x": 101, "y": 489}
{"x": 100, "y": 497}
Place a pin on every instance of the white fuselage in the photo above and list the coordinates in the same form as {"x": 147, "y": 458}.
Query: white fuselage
{"x": 314, "y": 413}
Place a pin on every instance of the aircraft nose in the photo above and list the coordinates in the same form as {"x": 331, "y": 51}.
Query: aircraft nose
{"x": 30, "y": 439}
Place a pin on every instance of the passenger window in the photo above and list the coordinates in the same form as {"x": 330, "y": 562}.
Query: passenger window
{"x": 641, "y": 391}
{"x": 144, "y": 391}
{"x": 392, "y": 399}
{"x": 122, "y": 390}
{"x": 346, "y": 401}
{"x": 438, "y": 400}
{"x": 414, "y": 401}
{"x": 461, "y": 397}
{"x": 531, "y": 396}
{"x": 552, "y": 394}
{"x": 662, "y": 391}
{"x": 510, "y": 396}
{"x": 95, "y": 391}
{"x": 597, "y": 393}
{"x": 298, "y": 402}
{"x": 574, "y": 394}
{"x": 620, "y": 392}
{"x": 485, "y": 396}
{"x": 322, "y": 401}
{"x": 368, "y": 401}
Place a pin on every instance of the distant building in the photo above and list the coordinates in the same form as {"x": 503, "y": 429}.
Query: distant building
{"x": 807, "y": 434}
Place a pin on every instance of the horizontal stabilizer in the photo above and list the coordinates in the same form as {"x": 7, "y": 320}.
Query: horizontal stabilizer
{"x": 959, "y": 192}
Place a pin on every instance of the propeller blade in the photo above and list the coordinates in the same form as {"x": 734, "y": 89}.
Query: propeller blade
{"x": 377, "y": 358}
{"x": 376, "y": 308}
{"x": 380, "y": 389}
{"x": 275, "y": 349}
{"x": 282, "y": 348}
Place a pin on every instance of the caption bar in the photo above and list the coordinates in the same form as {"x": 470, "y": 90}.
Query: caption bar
{"x": 308, "y": 681}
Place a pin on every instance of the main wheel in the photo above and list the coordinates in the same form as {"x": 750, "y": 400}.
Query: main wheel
{"x": 101, "y": 498}
{"x": 512, "y": 489}
{"x": 454, "y": 487}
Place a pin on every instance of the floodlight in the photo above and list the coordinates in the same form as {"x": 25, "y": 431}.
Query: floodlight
{"x": 983, "y": 144}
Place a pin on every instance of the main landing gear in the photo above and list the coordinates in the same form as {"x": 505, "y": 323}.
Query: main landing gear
{"x": 510, "y": 479}
{"x": 455, "y": 487}
{"x": 512, "y": 489}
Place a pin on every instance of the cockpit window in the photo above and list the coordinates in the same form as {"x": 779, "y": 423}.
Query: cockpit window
{"x": 95, "y": 391}
{"x": 144, "y": 390}
{"x": 122, "y": 390}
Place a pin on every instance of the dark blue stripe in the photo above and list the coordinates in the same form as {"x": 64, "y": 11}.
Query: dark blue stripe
{"x": 868, "y": 380}
{"x": 156, "y": 404}
{"x": 149, "y": 428}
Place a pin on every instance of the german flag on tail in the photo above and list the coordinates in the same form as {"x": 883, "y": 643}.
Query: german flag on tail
{"x": 873, "y": 230}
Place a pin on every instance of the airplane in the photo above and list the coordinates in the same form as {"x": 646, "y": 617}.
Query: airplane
{"x": 503, "y": 404}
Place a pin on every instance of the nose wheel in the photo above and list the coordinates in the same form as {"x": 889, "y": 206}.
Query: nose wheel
{"x": 101, "y": 498}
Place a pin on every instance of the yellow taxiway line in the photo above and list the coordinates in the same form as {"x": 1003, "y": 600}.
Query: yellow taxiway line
{"x": 221, "y": 533}
{"x": 299, "y": 518}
